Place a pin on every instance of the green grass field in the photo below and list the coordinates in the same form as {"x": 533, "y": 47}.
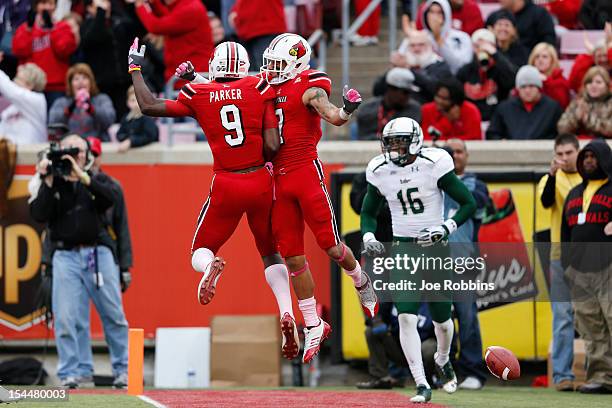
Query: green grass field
{"x": 489, "y": 397}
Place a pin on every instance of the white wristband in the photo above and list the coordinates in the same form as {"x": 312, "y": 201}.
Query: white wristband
{"x": 343, "y": 115}
{"x": 450, "y": 225}
{"x": 369, "y": 237}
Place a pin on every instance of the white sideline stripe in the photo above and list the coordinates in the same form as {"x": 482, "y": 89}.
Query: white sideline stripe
{"x": 505, "y": 373}
{"x": 151, "y": 401}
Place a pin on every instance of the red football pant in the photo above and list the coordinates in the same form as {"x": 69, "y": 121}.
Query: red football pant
{"x": 371, "y": 26}
{"x": 231, "y": 195}
{"x": 301, "y": 196}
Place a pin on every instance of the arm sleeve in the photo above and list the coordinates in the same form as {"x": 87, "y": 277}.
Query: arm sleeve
{"x": 121, "y": 227}
{"x": 505, "y": 71}
{"x": 43, "y": 206}
{"x": 359, "y": 188}
{"x": 581, "y": 65}
{"x": 22, "y": 42}
{"x": 63, "y": 42}
{"x": 57, "y": 113}
{"x": 177, "y": 22}
{"x": 177, "y": 108}
{"x": 270, "y": 121}
{"x": 569, "y": 123}
{"x": 497, "y": 127}
{"x": 102, "y": 188}
{"x": 104, "y": 111}
{"x": 547, "y": 192}
{"x": 372, "y": 203}
{"x": 452, "y": 186}
{"x": 30, "y": 103}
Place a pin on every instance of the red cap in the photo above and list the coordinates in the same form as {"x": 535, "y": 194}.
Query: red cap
{"x": 95, "y": 145}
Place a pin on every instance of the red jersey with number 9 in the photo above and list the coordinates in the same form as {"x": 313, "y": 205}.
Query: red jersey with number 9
{"x": 299, "y": 125}
{"x": 231, "y": 115}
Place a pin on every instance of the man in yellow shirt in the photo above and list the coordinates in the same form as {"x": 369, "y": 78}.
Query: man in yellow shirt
{"x": 553, "y": 189}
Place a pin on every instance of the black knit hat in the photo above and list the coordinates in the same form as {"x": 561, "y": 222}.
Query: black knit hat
{"x": 501, "y": 14}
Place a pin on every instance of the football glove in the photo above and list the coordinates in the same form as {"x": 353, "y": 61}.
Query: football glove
{"x": 351, "y": 99}
{"x": 136, "y": 56}
{"x": 372, "y": 247}
{"x": 432, "y": 235}
{"x": 185, "y": 71}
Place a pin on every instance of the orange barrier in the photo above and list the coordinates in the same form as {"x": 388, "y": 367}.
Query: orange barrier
{"x": 135, "y": 361}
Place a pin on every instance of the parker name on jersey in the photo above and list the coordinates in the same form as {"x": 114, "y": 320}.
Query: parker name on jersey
{"x": 412, "y": 191}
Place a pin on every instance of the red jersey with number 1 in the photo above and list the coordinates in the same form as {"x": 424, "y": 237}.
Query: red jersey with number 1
{"x": 299, "y": 125}
{"x": 231, "y": 115}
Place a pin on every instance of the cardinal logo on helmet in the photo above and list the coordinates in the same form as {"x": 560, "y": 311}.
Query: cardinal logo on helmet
{"x": 297, "y": 50}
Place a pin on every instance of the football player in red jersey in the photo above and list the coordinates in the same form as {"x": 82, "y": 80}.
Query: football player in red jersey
{"x": 233, "y": 109}
{"x": 302, "y": 100}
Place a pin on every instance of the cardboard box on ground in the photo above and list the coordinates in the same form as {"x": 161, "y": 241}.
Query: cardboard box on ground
{"x": 579, "y": 366}
{"x": 245, "y": 351}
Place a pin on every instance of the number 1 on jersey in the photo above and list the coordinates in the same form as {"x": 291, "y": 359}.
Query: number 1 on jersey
{"x": 281, "y": 121}
{"x": 416, "y": 205}
{"x": 231, "y": 121}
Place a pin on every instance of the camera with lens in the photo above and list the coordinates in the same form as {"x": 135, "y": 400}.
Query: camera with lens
{"x": 59, "y": 166}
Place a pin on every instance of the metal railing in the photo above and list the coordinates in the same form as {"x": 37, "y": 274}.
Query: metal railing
{"x": 318, "y": 38}
{"x": 349, "y": 30}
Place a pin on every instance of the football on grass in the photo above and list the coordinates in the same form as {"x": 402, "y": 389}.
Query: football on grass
{"x": 502, "y": 363}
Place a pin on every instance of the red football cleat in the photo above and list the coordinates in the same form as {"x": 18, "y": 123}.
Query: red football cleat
{"x": 313, "y": 338}
{"x": 291, "y": 339}
{"x": 206, "y": 288}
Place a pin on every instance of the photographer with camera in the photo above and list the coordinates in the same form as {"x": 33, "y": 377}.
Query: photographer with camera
{"x": 73, "y": 202}
{"x": 489, "y": 78}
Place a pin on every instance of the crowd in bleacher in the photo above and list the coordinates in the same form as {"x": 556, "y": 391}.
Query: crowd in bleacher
{"x": 460, "y": 64}
{"x": 506, "y": 72}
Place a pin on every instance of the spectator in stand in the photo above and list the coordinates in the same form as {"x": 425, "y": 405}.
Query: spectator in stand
{"x": 590, "y": 114}
{"x": 600, "y": 54}
{"x": 46, "y": 44}
{"x": 375, "y": 114}
{"x": 452, "y": 45}
{"x": 216, "y": 28}
{"x": 256, "y": 29}
{"x": 552, "y": 190}
{"x": 465, "y": 13}
{"x": 367, "y": 34}
{"x": 84, "y": 110}
{"x": 185, "y": 27}
{"x": 508, "y": 44}
{"x": 586, "y": 232}
{"x": 489, "y": 78}
{"x": 450, "y": 115}
{"x": 136, "y": 129}
{"x": 533, "y": 23}
{"x": 99, "y": 47}
{"x": 594, "y": 14}
{"x": 565, "y": 11}
{"x": 416, "y": 54}
{"x": 24, "y": 121}
{"x": 530, "y": 115}
{"x": 544, "y": 58}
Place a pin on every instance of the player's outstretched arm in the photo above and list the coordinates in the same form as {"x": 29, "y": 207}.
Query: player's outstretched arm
{"x": 317, "y": 99}
{"x": 149, "y": 104}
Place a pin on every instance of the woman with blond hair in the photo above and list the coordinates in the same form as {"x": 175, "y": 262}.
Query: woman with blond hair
{"x": 544, "y": 57}
{"x": 590, "y": 113}
{"x": 24, "y": 121}
{"x": 84, "y": 110}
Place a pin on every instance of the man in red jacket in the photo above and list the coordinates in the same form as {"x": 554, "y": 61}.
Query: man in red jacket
{"x": 185, "y": 27}
{"x": 257, "y": 23}
{"x": 46, "y": 44}
{"x": 450, "y": 115}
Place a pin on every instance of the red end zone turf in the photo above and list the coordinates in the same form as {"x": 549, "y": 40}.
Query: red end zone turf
{"x": 289, "y": 398}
